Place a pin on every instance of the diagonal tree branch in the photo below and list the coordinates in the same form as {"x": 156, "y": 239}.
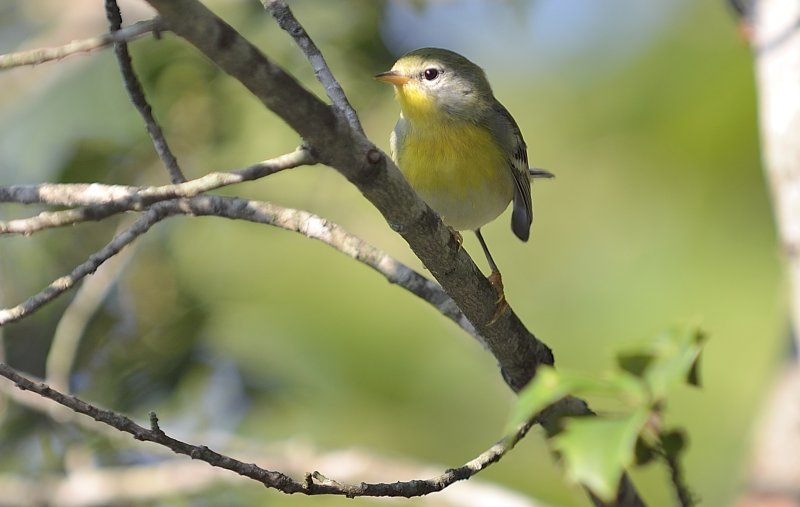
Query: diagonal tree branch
{"x": 334, "y": 143}
{"x": 332, "y": 140}
{"x": 42, "y": 55}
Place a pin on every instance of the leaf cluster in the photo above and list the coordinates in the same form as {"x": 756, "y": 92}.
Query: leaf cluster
{"x": 597, "y": 449}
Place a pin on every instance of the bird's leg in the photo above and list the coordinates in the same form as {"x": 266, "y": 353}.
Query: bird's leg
{"x": 495, "y": 279}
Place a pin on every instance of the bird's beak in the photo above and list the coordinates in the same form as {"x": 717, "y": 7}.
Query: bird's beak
{"x": 393, "y": 77}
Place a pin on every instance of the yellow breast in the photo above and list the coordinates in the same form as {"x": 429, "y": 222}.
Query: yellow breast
{"x": 455, "y": 166}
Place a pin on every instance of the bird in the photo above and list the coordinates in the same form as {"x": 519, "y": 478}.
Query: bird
{"x": 459, "y": 148}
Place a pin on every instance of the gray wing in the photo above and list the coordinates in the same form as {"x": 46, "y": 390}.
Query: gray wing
{"x": 507, "y": 134}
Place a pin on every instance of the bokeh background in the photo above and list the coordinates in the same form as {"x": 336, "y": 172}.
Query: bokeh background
{"x": 658, "y": 217}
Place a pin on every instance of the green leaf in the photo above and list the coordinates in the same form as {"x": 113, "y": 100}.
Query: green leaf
{"x": 597, "y": 450}
{"x": 619, "y": 385}
{"x": 546, "y": 388}
{"x": 551, "y": 385}
{"x": 669, "y": 359}
{"x": 677, "y": 354}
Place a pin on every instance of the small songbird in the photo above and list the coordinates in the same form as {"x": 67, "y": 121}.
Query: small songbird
{"x": 458, "y": 147}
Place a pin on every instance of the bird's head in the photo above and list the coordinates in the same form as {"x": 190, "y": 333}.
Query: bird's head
{"x": 433, "y": 83}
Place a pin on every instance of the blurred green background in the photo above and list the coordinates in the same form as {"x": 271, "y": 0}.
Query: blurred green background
{"x": 658, "y": 217}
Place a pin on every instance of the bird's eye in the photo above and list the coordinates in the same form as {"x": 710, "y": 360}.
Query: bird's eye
{"x": 430, "y": 74}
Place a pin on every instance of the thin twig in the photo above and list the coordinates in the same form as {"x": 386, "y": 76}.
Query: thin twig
{"x": 286, "y": 20}
{"x": 269, "y": 478}
{"x": 136, "y": 198}
{"x": 54, "y": 219}
{"x": 293, "y": 457}
{"x": 123, "y": 423}
{"x": 42, "y": 55}
{"x": 136, "y": 93}
{"x": 154, "y": 215}
{"x": 315, "y": 227}
{"x": 308, "y": 224}
{"x": 682, "y": 491}
{"x": 101, "y": 201}
{"x": 60, "y": 413}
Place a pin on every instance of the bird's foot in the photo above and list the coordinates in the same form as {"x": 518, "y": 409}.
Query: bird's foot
{"x": 457, "y": 237}
{"x": 501, "y": 305}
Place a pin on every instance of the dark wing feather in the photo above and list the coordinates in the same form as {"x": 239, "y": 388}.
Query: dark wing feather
{"x": 508, "y": 135}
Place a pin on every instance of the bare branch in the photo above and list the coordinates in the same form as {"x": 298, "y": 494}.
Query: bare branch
{"x": 278, "y": 90}
{"x": 315, "y": 483}
{"x": 101, "y": 201}
{"x": 61, "y": 285}
{"x": 59, "y": 413}
{"x": 286, "y": 20}
{"x": 293, "y": 457}
{"x": 421, "y": 487}
{"x": 338, "y": 144}
{"x": 308, "y": 224}
{"x": 315, "y": 227}
{"x": 42, "y": 55}
{"x": 335, "y": 144}
{"x": 136, "y": 93}
{"x": 54, "y": 219}
{"x": 682, "y": 491}
{"x": 125, "y": 424}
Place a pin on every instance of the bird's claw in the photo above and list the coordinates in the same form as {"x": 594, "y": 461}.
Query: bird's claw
{"x": 501, "y": 305}
{"x": 457, "y": 237}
